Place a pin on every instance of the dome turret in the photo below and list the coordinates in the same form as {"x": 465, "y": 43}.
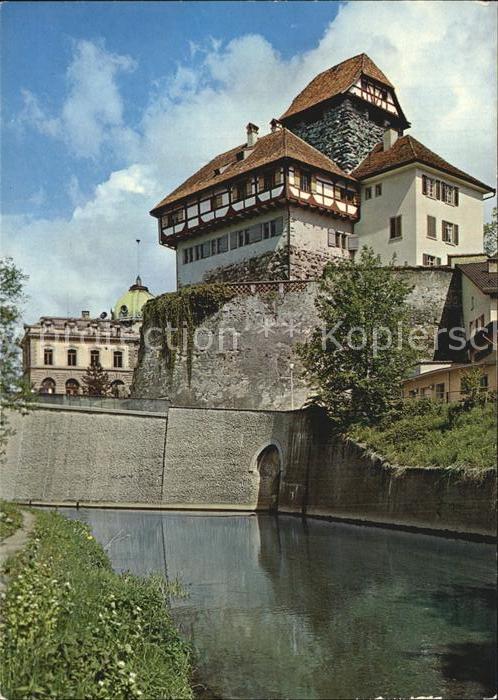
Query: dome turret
{"x": 129, "y": 305}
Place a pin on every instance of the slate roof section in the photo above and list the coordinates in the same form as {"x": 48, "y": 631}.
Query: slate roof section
{"x": 478, "y": 273}
{"x": 408, "y": 150}
{"x": 271, "y": 148}
{"x": 335, "y": 81}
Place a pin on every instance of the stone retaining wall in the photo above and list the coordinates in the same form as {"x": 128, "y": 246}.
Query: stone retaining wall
{"x": 210, "y": 459}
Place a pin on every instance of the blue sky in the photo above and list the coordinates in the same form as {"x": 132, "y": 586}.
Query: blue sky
{"x": 108, "y": 106}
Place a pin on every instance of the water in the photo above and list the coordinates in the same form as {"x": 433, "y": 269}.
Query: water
{"x": 285, "y": 608}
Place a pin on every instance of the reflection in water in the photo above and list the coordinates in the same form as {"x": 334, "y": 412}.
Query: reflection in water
{"x": 281, "y": 607}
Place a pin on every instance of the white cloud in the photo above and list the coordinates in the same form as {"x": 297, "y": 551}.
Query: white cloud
{"x": 440, "y": 56}
{"x": 92, "y": 112}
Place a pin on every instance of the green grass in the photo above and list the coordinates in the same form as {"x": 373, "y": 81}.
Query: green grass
{"x": 430, "y": 433}
{"x": 10, "y": 519}
{"x": 72, "y": 628}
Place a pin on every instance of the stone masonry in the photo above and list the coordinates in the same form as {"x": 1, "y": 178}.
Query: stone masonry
{"x": 345, "y": 133}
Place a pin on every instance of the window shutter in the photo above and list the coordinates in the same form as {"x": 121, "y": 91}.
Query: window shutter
{"x": 313, "y": 183}
{"x": 297, "y": 177}
{"x": 455, "y": 234}
{"x": 398, "y": 227}
{"x": 456, "y": 196}
{"x": 424, "y": 184}
{"x": 444, "y": 237}
{"x": 438, "y": 262}
{"x": 424, "y": 259}
{"x": 438, "y": 189}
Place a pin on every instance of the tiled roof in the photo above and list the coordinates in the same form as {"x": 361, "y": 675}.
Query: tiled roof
{"x": 478, "y": 273}
{"x": 335, "y": 81}
{"x": 404, "y": 151}
{"x": 281, "y": 143}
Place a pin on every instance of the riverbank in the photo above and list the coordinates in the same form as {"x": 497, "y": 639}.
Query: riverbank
{"x": 72, "y": 627}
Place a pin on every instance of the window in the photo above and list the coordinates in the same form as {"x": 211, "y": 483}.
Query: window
{"x": 47, "y": 386}
{"x": 430, "y": 260}
{"x": 472, "y": 303}
{"x": 484, "y": 381}
{"x": 217, "y": 201}
{"x": 222, "y": 244}
{"x": 234, "y": 240}
{"x": 272, "y": 228}
{"x": 268, "y": 181}
{"x": 435, "y": 189}
{"x": 450, "y": 233}
{"x": 431, "y": 227}
{"x": 176, "y": 217}
{"x": 395, "y": 227}
{"x": 214, "y": 246}
{"x": 305, "y": 183}
{"x": 197, "y": 251}
{"x": 118, "y": 359}
{"x": 331, "y": 238}
{"x": 71, "y": 358}
{"x": 254, "y": 234}
{"x": 48, "y": 356}
{"x": 94, "y": 358}
{"x": 206, "y": 249}
{"x": 368, "y": 193}
{"x": 378, "y": 190}
{"x": 242, "y": 189}
{"x": 72, "y": 387}
{"x": 440, "y": 393}
{"x": 118, "y": 388}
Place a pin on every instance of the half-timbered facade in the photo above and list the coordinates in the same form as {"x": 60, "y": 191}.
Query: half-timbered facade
{"x": 243, "y": 216}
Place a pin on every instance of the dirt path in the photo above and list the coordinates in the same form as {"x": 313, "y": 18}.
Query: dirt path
{"x": 15, "y": 542}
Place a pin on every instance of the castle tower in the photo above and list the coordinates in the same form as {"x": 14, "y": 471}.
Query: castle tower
{"x": 344, "y": 111}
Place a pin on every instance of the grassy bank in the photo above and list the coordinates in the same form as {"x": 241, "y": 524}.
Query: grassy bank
{"x": 10, "y": 519}
{"x": 72, "y": 628}
{"x": 431, "y": 433}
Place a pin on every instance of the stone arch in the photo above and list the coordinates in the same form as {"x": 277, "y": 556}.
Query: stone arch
{"x": 268, "y": 462}
{"x": 72, "y": 387}
{"x": 47, "y": 386}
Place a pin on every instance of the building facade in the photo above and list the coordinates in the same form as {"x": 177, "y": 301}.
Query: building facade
{"x": 335, "y": 173}
{"x": 57, "y": 351}
{"x": 479, "y": 332}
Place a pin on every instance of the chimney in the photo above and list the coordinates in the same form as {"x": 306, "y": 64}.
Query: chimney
{"x": 493, "y": 264}
{"x": 390, "y": 137}
{"x": 275, "y": 125}
{"x": 252, "y": 134}
{"x": 85, "y": 314}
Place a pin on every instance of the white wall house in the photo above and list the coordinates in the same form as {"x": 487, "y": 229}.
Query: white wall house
{"x": 418, "y": 212}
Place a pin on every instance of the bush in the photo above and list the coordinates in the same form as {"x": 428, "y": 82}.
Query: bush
{"x": 10, "y": 519}
{"x": 72, "y": 628}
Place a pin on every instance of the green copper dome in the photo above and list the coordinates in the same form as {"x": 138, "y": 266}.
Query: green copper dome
{"x": 129, "y": 305}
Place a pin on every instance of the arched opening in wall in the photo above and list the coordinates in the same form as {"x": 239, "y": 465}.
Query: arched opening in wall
{"x": 72, "y": 387}
{"x": 269, "y": 466}
{"x": 47, "y": 386}
{"x": 118, "y": 389}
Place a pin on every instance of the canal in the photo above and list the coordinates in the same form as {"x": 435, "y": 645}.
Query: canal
{"x": 291, "y": 608}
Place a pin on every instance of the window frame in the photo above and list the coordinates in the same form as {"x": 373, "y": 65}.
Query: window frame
{"x": 48, "y": 353}
{"x": 73, "y": 354}
{"x": 378, "y": 189}
{"x": 117, "y": 359}
{"x": 397, "y": 227}
{"x": 94, "y": 354}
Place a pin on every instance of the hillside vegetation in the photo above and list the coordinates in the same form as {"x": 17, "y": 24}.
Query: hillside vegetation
{"x": 430, "y": 433}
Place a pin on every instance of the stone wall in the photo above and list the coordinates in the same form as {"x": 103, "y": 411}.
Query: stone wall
{"x": 252, "y": 341}
{"x": 266, "y": 266}
{"x": 344, "y": 132}
{"x": 211, "y": 459}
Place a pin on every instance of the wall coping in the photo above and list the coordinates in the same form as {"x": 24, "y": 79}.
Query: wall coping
{"x": 96, "y": 409}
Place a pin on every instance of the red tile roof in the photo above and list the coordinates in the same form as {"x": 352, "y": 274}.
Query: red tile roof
{"x": 335, "y": 81}
{"x": 478, "y": 273}
{"x": 404, "y": 151}
{"x": 268, "y": 149}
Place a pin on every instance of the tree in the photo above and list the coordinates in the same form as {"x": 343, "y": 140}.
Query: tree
{"x": 473, "y": 391}
{"x": 96, "y": 381}
{"x": 358, "y": 357}
{"x": 15, "y": 393}
{"x": 491, "y": 235}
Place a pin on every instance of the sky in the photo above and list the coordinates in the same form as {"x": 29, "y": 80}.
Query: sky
{"x": 108, "y": 106}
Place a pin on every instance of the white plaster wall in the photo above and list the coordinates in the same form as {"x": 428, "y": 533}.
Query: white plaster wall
{"x": 397, "y": 198}
{"x": 468, "y": 215}
{"x": 193, "y": 272}
{"x": 309, "y": 231}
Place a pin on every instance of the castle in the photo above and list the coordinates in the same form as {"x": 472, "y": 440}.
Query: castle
{"x": 335, "y": 173}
